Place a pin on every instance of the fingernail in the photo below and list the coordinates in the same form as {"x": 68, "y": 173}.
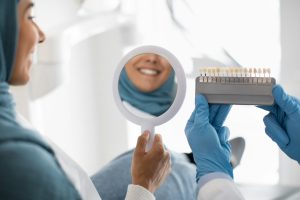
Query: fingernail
{"x": 146, "y": 134}
{"x": 159, "y": 136}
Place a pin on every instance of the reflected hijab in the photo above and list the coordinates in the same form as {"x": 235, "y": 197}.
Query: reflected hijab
{"x": 10, "y": 129}
{"x": 156, "y": 102}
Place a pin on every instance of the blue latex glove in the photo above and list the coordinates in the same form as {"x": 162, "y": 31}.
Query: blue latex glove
{"x": 208, "y": 139}
{"x": 283, "y": 122}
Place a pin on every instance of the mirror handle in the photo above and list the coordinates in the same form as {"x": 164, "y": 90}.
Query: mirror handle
{"x": 151, "y": 136}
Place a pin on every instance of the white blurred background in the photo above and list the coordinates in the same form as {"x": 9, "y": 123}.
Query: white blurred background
{"x": 78, "y": 112}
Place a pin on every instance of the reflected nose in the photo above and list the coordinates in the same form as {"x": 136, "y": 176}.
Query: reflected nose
{"x": 153, "y": 58}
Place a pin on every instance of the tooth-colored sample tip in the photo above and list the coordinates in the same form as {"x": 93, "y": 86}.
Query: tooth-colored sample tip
{"x": 259, "y": 70}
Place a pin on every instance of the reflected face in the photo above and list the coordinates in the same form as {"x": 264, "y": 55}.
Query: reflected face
{"x": 29, "y": 36}
{"x": 148, "y": 71}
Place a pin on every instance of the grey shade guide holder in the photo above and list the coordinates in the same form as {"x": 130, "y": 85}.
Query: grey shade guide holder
{"x": 236, "y": 90}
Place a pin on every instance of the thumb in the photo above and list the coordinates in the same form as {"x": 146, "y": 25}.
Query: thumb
{"x": 142, "y": 143}
{"x": 190, "y": 122}
{"x": 224, "y": 135}
{"x": 201, "y": 111}
{"x": 221, "y": 115}
{"x": 284, "y": 101}
{"x": 275, "y": 131}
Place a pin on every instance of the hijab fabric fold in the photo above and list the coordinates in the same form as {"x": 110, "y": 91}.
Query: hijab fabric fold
{"x": 8, "y": 37}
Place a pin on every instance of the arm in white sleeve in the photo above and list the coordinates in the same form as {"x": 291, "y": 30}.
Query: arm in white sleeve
{"x": 218, "y": 186}
{"x": 136, "y": 192}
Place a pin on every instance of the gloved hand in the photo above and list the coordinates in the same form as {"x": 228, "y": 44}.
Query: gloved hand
{"x": 283, "y": 122}
{"x": 208, "y": 139}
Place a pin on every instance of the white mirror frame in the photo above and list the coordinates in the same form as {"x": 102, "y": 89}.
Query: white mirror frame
{"x": 146, "y": 123}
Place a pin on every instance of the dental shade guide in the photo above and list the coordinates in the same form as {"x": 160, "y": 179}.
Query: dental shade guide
{"x": 235, "y": 85}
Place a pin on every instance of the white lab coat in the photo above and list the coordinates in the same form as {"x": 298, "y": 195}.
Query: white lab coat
{"x": 219, "y": 189}
{"x": 79, "y": 178}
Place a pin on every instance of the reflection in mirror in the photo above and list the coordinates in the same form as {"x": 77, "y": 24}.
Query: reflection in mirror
{"x": 147, "y": 85}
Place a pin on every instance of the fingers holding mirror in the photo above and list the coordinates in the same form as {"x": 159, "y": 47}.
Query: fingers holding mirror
{"x": 147, "y": 85}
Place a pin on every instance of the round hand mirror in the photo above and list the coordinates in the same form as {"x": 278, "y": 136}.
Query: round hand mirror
{"x": 149, "y": 87}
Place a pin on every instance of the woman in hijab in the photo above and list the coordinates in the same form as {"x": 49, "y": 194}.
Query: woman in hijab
{"x": 30, "y": 167}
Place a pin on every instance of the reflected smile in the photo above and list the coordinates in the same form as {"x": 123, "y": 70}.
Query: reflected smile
{"x": 149, "y": 72}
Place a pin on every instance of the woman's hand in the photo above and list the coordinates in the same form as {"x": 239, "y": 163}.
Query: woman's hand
{"x": 150, "y": 169}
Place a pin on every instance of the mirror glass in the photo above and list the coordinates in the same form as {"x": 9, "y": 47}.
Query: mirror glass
{"x": 147, "y": 85}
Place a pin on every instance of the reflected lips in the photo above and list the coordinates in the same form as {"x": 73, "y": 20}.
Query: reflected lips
{"x": 148, "y": 71}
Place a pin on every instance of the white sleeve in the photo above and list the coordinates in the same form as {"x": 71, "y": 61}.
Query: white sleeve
{"x": 136, "y": 192}
{"x": 218, "y": 186}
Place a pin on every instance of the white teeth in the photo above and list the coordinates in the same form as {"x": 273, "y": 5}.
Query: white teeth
{"x": 149, "y": 72}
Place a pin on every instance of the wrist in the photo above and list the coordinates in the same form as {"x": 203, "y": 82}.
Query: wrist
{"x": 224, "y": 168}
{"x": 144, "y": 184}
{"x": 211, "y": 176}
